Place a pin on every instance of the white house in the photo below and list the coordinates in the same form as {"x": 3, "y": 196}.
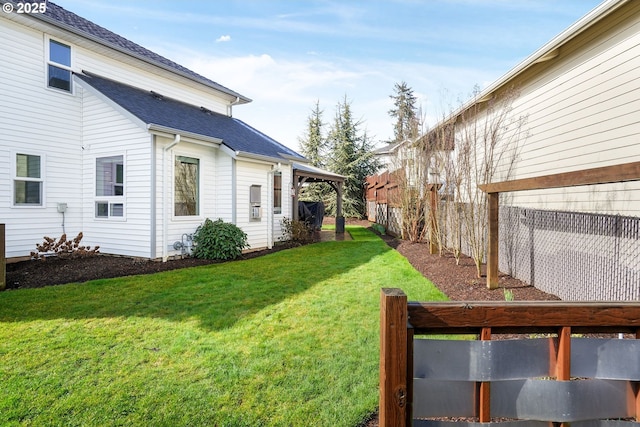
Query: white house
{"x": 102, "y": 136}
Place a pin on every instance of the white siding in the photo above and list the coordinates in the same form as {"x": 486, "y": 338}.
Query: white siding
{"x": 224, "y": 170}
{"x": 248, "y": 174}
{"x": 70, "y": 131}
{"x": 287, "y": 200}
{"x": 39, "y": 121}
{"x": 211, "y": 180}
{"x": 106, "y": 133}
{"x": 90, "y": 61}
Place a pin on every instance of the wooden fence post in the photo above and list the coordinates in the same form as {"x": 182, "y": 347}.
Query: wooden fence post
{"x": 393, "y": 358}
{"x": 3, "y": 259}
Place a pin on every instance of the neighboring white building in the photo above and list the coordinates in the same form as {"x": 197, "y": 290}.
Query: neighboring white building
{"x": 580, "y": 96}
{"x": 102, "y": 136}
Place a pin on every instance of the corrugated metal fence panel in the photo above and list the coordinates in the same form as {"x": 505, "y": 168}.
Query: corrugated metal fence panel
{"x": 446, "y": 373}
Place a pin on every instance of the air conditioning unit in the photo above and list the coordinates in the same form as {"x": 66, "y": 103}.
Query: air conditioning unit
{"x": 256, "y": 212}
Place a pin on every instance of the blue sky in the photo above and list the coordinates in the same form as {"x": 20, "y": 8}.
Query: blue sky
{"x": 286, "y": 55}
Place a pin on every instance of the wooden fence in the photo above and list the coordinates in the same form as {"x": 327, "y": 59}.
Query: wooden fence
{"x": 546, "y": 373}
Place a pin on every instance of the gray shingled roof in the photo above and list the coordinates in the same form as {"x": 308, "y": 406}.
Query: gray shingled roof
{"x": 154, "y": 109}
{"x": 69, "y": 21}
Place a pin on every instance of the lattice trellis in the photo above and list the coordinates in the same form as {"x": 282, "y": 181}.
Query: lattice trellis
{"x": 576, "y": 256}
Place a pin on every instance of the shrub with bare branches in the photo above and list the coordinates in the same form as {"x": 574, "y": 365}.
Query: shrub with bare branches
{"x": 63, "y": 248}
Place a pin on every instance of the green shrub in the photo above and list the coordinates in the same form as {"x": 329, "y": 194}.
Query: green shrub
{"x": 219, "y": 240}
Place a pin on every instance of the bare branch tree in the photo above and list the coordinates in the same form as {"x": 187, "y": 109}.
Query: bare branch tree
{"x": 488, "y": 136}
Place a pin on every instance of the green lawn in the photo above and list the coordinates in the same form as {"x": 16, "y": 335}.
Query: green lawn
{"x": 288, "y": 339}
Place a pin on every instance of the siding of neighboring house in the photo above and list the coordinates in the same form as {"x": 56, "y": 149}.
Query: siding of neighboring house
{"x": 583, "y": 113}
{"x": 582, "y": 103}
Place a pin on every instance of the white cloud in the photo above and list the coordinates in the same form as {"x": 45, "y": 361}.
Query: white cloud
{"x": 284, "y": 91}
{"x": 226, "y": 38}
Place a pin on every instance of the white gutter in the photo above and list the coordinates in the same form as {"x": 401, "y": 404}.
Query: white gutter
{"x": 230, "y": 106}
{"x": 166, "y": 208}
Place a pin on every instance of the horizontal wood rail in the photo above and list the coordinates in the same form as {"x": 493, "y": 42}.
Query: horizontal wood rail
{"x": 603, "y": 175}
{"x": 531, "y": 377}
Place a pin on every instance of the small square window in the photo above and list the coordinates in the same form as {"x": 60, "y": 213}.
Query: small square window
{"x": 59, "y": 53}
{"x": 102, "y": 209}
{"x": 59, "y": 78}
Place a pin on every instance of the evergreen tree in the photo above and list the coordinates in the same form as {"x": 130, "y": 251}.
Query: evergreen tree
{"x": 351, "y": 156}
{"x": 405, "y": 113}
{"x": 314, "y": 147}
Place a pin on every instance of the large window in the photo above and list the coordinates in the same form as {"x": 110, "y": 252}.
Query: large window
{"x": 110, "y": 187}
{"x": 59, "y": 66}
{"x": 277, "y": 192}
{"x": 187, "y": 186}
{"x": 27, "y": 183}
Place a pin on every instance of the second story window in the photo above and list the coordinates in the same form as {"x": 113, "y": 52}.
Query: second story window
{"x": 59, "y": 66}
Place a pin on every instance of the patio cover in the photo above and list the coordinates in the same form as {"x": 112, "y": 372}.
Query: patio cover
{"x": 305, "y": 173}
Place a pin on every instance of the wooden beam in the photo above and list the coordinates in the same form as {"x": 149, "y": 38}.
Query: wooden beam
{"x": 393, "y": 358}
{"x": 437, "y": 317}
{"x": 602, "y": 175}
{"x": 492, "y": 252}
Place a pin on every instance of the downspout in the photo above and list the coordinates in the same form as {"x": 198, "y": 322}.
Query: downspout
{"x": 230, "y": 106}
{"x": 270, "y": 214}
{"x": 165, "y": 198}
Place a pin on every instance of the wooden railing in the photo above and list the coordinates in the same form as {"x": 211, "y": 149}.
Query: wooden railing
{"x": 546, "y": 372}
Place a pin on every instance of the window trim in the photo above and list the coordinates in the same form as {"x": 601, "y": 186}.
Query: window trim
{"x": 48, "y": 62}
{"x": 110, "y": 201}
{"x": 15, "y": 177}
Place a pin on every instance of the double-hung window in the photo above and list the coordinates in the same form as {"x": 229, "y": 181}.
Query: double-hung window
{"x": 59, "y": 66}
{"x": 28, "y": 180}
{"x": 110, "y": 187}
{"x": 187, "y": 186}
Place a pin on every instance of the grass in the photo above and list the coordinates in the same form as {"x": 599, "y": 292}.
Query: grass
{"x": 288, "y": 339}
